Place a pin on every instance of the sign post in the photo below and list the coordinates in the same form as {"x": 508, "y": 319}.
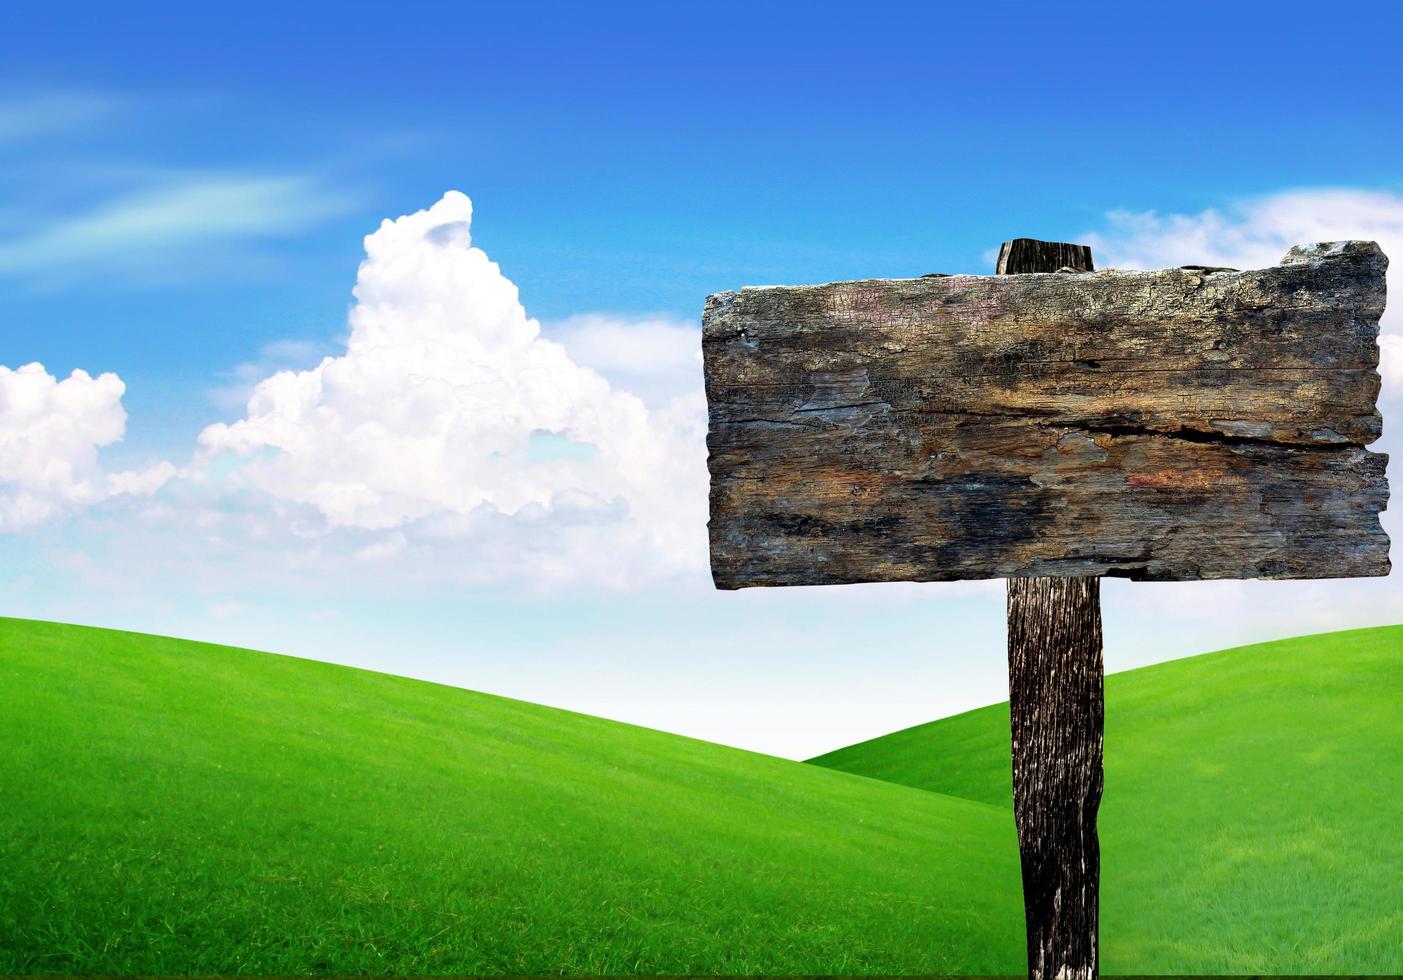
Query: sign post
{"x": 1051, "y": 425}
{"x": 1057, "y": 723}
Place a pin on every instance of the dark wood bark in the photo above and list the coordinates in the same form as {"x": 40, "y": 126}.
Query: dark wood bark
{"x": 1179, "y": 424}
{"x": 1055, "y": 685}
{"x": 1032, "y": 255}
{"x": 1056, "y": 707}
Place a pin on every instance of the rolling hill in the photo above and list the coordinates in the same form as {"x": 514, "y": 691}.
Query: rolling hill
{"x": 174, "y": 807}
{"x": 1253, "y": 813}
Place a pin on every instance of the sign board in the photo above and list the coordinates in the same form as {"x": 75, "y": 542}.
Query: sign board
{"x": 1179, "y": 424}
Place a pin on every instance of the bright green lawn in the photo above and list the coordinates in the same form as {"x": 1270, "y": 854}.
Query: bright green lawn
{"x": 171, "y": 807}
{"x": 1253, "y": 814}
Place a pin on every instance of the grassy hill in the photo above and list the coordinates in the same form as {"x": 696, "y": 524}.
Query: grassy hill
{"x": 170, "y": 807}
{"x": 173, "y": 807}
{"x": 1253, "y": 813}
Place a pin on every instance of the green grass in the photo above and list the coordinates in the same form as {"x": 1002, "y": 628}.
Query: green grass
{"x": 1253, "y": 814}
{"x": 171, "y": 807}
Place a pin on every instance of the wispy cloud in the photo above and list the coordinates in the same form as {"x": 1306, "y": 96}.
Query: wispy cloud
{"x": 165, "y": 229}
{"x": 42, "y": 114}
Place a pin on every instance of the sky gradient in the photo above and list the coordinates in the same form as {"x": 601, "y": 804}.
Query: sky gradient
{"x": 186, "y": 195}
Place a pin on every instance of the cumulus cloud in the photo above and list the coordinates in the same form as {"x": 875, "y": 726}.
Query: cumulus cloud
{"x": 50, "y": 434}
{"x": 450, "y": 420}
{"x": 278, "y": 355}
{"x": 1257, "y": 233}
{"x": 656, "y": 358}
{"x": 1391, "y": 362}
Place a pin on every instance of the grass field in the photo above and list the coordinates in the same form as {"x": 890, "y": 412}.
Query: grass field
{"x": 1253, "y": 813}
{"x": 173, "y": 807}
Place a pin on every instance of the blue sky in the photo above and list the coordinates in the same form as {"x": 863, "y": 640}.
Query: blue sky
{"x": 184, "y": 196}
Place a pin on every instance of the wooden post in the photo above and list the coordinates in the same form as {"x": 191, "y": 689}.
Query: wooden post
{"x": 1055, "y": 681}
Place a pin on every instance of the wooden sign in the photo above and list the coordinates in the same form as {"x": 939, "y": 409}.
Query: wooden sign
{"x": 1182, "y": 424}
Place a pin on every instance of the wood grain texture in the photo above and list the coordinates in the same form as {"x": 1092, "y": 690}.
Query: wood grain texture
{"x": 1057, "y": 721}
{"x": 1057, "y": 714}
{"x": 1179, "y": 424}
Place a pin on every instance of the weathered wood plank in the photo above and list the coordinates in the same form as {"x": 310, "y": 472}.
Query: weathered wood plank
{"x": 1178, "y": 424}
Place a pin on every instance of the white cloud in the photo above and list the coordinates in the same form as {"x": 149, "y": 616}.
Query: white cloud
{"x": 288, "y": 354}
{"x": 1257, "y": 233}
{"x": 1249, "y": 234}
{"x": 1391, "y": 362}
{"x": 50, "y": 433}
{"x": 450, "y": 422}
{"x": 165, "y": 228}
{"x": 656, "y": 358}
